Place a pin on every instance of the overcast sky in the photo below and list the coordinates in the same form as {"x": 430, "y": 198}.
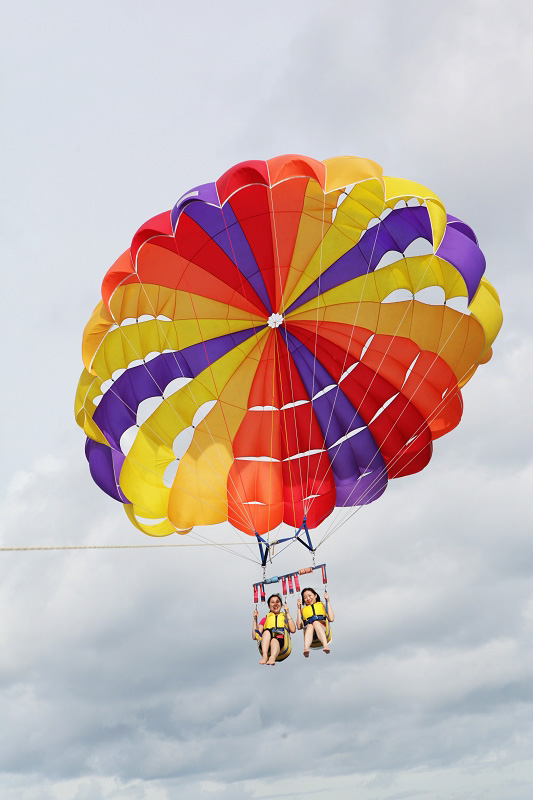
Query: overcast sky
{"x": 130, "y": 674}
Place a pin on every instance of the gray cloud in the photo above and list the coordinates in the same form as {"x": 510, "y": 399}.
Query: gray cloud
{"x": 105, "y": 677}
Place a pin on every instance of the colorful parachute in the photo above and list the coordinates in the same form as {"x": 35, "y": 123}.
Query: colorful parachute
{"x": 281, "y": 343}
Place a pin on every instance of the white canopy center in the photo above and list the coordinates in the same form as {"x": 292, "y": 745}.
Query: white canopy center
{"x": 275, "y": 320}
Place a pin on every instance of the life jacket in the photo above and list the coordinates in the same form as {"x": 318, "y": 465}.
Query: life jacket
{"x": 313, "y": 612}
{"x": 275, "y": 622}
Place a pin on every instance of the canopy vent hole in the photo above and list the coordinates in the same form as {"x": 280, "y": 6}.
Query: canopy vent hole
{"x": 324, "y": 391}
{"x": 366, "y": 346}
{"x": 170, "y": 473}
{"x": 202, "y": 412}
{"x": 398, "y": 296}
{"x": 389, "y": 257}
{"x": 418, "y": 247}
{"x": 410, "y": 369}
{"x": 458, "y": 304}
{"x": 347, "y": 371}
{"x": 127, "y": 439}
{"x": 175, "y": 386}
{"x": 147, "y": 407}
{"x": 383, "y": 407}
{"x": 181, "y": 443}
{"x": 431, "y": 296}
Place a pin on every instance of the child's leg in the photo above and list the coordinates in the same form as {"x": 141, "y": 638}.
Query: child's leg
{"x": 320, "y": 631}
{"x": 274, "y": 651}
{"x": 265, "y": 642}
{"x": 308, "y": 638}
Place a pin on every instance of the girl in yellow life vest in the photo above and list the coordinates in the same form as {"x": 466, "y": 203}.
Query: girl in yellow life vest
{"x": 314, "y": 618}
{"x": 272, "y": 629}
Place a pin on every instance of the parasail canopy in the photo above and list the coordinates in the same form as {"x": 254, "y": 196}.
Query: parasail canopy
{"x": 282, "y": 342}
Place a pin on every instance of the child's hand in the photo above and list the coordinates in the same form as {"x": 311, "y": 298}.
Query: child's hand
{"x": 286, "y": 608}
{"x": 256, "y": 613}
{"x": 326, "y": 596}
{"x": 299, "y": 603}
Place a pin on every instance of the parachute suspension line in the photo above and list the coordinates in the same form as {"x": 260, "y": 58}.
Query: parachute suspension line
{"x": 384, "y": 470}
{"x": 272, "y": 414}
{"x": 352, "y": 510}
{"x": 143, "y": 466}
{"x": 278, "y": 351}
{"x": 226, "y": 482}
{"x": 307, "y": 505}
{"x": 250, "y": 521}
{"x": 204, "y": 542}
{"x": 368, "y": 492}
{"x": 445, "y": 401}
{"x": 277, "y": 360}
{"x": 354, "y": 323}
{"x": 335, "y": 524}
{"x": 274, "y": 361}
{"x": 221, "y": 497}
{"x": 189, "y": 390}
{"x": 271, "y": 456}
{"x": 201, "y": 538}
{"x": 225, "y": 489}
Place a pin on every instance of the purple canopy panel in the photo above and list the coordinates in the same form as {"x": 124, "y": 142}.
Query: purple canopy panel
{"x": 352, "y": 458}
{"x": 462, "y": 253}
{"x": 118, "y": 407}
{"x": 205, "y": 193}
{"x": 117, "y": 410}
{"x": 459, "y": 225}
{"x": 105, "y": 464}
{"x": 366, "y": 488}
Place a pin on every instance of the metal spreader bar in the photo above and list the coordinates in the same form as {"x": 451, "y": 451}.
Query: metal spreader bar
{"x": 290, "y": 581}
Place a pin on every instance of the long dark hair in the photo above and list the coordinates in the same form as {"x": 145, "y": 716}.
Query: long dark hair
{"x": 308, "y": 589}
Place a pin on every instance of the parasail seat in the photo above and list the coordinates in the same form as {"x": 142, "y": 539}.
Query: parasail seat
{"x": 285, "y": 650}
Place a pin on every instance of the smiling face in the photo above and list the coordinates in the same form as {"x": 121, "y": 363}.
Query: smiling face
{"x": 309, "y": 597}
{"x": 274, "y": 604}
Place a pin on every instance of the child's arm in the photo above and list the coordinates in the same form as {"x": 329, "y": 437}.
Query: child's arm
{"x": 290, "y": 621}
{"x": 299, "y": 623}
{"x": 330, "y": 612}
{"x": 255, "y": 626}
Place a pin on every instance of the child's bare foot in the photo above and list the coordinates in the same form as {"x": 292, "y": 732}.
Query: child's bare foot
{"x": 270, "y": 663}
{"x": 326, "y": 650}
{"x": 263, "y": 660}
{"x": 306, "y": 653}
